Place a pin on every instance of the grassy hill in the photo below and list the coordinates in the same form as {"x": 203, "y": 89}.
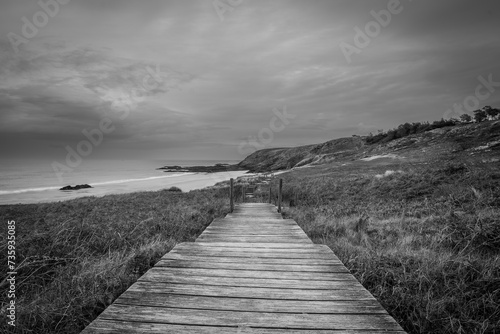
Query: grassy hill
{"x": 476, "y": 141}
{"x": 415, "y": 219}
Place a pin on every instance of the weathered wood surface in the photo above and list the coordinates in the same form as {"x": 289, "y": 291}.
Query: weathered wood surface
{"x": 251, "y": 272}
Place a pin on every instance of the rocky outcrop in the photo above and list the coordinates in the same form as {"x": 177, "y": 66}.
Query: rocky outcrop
{"x": 286, "y": 158}
{"x": 77, "y": 187}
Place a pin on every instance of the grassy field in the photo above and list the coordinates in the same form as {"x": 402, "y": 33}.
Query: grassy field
{"x": 425, "y": 241}
{"x": 75, "y": 257}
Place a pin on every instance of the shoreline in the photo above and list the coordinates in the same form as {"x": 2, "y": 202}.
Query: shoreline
{"x": 219, "y": 167}
{"x": 186, "y": 178}
{"x": 185, "y": 181}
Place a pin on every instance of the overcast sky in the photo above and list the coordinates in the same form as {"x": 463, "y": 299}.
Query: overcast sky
{"x": 181, "y": 79}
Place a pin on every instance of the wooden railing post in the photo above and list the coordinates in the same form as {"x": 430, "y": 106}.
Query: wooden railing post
{"x": 280, "y": 195}
{"x": 270, "y": 198}
{"x": 231, "y": 195}
{"x": 243, "y": 194}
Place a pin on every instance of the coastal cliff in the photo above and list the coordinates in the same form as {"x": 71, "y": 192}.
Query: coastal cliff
{"x": 459, "y": 140}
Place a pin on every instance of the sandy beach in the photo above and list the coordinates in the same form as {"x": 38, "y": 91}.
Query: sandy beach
{"x": 184, "y": 181}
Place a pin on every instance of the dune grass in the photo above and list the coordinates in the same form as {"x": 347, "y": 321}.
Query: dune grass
{"x": 424, "y": 241}
{"x": 75, "y": 257}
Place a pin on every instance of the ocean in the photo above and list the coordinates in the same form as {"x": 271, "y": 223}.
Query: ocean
{"x": 34, "y": 181}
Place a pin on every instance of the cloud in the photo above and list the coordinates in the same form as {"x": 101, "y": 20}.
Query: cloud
{"x": 190, "y": 80}
{"x": 66, "y": 91}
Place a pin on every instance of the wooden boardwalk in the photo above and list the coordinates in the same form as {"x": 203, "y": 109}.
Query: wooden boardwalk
{"x": 250, "y": 272}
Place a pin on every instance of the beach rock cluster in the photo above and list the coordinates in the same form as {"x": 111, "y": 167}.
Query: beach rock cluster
{"x": 77, "y": 187}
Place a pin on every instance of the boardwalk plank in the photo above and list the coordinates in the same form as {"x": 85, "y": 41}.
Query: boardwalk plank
{"x": 255, "y": 245}
{"x": 255, "y": 319}
{"x": 258, "y": 232}
{"x": 250, "y": 292}
{"x": 250, "y": 304}
{"x": 127, "y": 327}
{"x": 339, "y": 268}
{"x": 248, "y": 260}
{"x": 257, "y": 274}
{"x": 165, "y": 276}
{"x": 249, "y": 254}
{"x": 256, "y": 239}
{"x": 253, "y": 228}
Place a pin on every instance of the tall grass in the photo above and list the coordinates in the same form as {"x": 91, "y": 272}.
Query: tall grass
{"x": 75, "y": 257}
{"x": 424, "y": 242}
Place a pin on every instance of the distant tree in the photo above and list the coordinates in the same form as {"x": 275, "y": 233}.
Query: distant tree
{"x": 497, "y": 113}
{"x": 415, "y": 127}
{"x": 491, "y": 113}
{"x": 479, "y": 115}
{"x": 465, "y": 118}
{"x": 441, "y": 123}
{"x": 407, "y": 129}
{"x": 487, "y": 109}
{"x": 424, "y": 127}
{"x": 372, "y": 139}
{"x": 391, "y": 135}
{"x": 403, "y": 130}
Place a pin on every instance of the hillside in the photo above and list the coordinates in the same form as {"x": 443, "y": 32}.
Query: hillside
{"x": 477, "y": 140}
{"x": 415, "y": 219}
